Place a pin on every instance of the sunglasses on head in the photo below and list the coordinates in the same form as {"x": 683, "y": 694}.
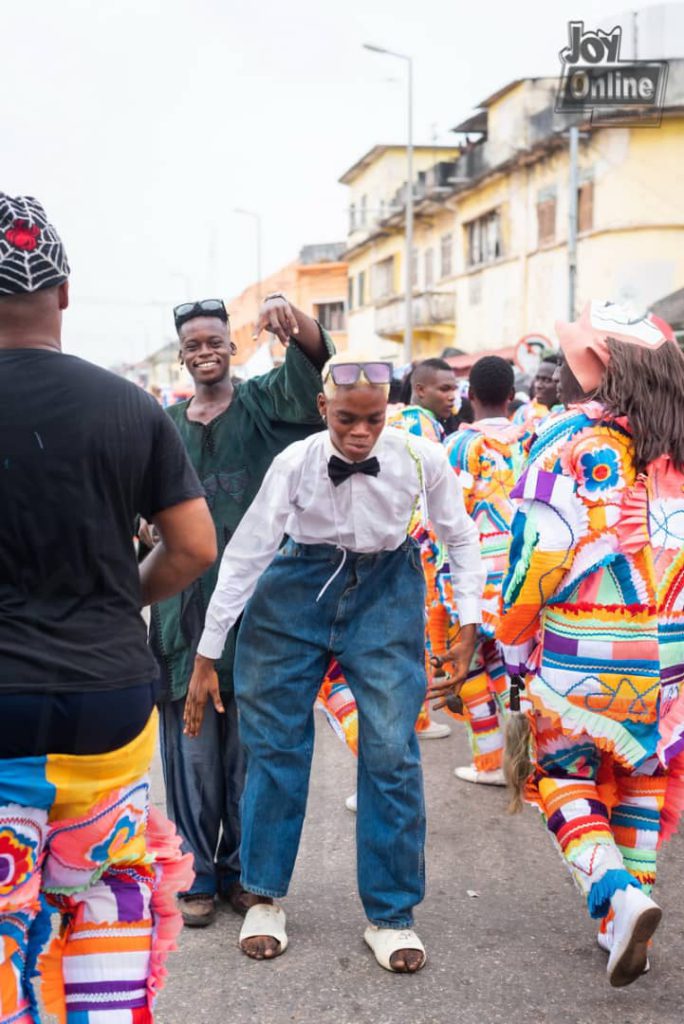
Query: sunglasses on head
{"x": 206, "y": 307}
{"x": 350, "y": 373}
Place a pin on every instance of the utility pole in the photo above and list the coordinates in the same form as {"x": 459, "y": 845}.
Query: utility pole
{"x": 573, "y": 189}
{"x": 408, "y": 328}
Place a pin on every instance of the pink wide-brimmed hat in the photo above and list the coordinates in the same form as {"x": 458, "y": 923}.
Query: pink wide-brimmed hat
{"x": 584, "y": 341}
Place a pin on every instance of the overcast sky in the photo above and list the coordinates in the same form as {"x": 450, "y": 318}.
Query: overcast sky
{"x": 142, "y": 124}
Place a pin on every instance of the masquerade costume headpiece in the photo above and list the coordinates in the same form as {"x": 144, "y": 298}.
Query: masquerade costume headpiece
{"x": 585, "y": 341}
{"x": 32, "y": 256}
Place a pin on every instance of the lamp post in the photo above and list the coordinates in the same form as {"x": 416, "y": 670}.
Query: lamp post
{"x": 573, "y": 185}
{"x": 257, "y": 222}
{"x": 408, "y": 258}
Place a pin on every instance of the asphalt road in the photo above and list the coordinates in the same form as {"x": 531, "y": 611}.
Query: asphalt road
{"x": 522, "y": 951}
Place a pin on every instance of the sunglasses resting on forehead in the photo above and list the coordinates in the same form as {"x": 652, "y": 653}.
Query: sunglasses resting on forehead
{"x": 205, "y": 307}
{"x": 350, "y": 373}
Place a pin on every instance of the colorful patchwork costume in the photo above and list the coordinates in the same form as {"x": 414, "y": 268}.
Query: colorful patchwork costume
{"x": 597, "y": 571}
{"x": 78, "y": 834}
{"x": 488, "y": 458}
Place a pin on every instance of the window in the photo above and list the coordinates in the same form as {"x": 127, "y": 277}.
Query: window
{"x": 429, "y": 268}
{"x": 484, "y": 239}
{"x": 546, "y": 219}
{"x": 350, "y": 293}
{"x": 445, "y": 247}
{"x": 361, "y": 288}
{"x": 363, "y": 209}
{"x": 585, "y": 206}
{"x": 330, "y": 315}
{"x": 414, "y": 268}
{"x": 352, "y": 218}
{"x": 382, "y": 278}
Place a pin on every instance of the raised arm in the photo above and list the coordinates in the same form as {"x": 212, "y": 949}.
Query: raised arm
{"x": 286, "y": 321}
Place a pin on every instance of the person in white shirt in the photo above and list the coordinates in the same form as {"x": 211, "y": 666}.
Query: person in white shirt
{"x": 348, "y": 583}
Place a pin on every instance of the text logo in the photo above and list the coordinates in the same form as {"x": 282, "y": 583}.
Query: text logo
{"x": 595, "y": 81}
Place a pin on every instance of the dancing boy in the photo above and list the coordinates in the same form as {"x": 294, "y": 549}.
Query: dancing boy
{"x": 348, "y": 583}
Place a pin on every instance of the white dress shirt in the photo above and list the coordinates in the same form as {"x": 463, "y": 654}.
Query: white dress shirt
{"x": 365, "y": 514}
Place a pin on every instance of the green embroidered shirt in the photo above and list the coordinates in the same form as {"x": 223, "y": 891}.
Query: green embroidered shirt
{"x": 231, "y": 455}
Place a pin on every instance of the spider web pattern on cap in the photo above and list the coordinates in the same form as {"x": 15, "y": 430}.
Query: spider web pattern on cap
{"x": 32, "y": 255}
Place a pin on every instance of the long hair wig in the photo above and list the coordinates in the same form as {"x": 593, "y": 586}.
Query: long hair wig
{"x": 647, "y": 387}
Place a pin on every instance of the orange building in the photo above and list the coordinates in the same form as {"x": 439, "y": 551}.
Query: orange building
{"x": 316, "y": 283}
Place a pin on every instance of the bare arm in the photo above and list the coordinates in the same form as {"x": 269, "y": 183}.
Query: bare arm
{"x": 187, "y": 548}
{"x": 285, "y": 321}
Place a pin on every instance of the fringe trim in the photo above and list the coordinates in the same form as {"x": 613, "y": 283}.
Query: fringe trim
{"x": 52, "y": 977}
{"x": 601, "y": 892}
{"x": 608, "y": 735}
{"x": 38, "y": 936}
{"x": 673, "y": 806}
{"x": 488, "y": 762}
{"x": 671, "y": 731}
{"x": 175, "y": 874}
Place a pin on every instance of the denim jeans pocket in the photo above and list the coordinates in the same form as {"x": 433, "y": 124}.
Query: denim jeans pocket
{"x": 414, "y": 557}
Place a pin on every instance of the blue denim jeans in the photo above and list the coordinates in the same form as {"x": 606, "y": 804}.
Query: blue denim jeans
{"x": 204, "y": 779}
{"x": 371, "y": 618}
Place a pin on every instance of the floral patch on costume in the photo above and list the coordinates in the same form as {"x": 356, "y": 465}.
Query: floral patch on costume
{"x": 600, "y": 471}
{"x": 18, "y": 856}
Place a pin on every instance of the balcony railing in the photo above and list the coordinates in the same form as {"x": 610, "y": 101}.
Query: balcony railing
{"x": 428, "y": 308}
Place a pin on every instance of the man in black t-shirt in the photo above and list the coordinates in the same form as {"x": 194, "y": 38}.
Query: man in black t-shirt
{"x": 82, "y": 452}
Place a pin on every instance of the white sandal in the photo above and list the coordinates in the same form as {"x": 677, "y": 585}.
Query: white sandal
{"x": 265, "y": 919}
{"x": 385, "y": 942}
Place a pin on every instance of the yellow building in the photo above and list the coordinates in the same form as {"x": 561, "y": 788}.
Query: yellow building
{"x": 375, "y": 251}
{"x": 491, "y": 224}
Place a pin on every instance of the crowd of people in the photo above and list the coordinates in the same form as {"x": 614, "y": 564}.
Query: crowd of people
{"x": 306, "y": 540}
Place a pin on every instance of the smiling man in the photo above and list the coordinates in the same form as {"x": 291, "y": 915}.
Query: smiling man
{"x": 231, "y": 432}
{"x": 349, "y": 583}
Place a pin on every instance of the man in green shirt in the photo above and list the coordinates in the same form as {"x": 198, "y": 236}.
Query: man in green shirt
{"x": 232, "y": 431}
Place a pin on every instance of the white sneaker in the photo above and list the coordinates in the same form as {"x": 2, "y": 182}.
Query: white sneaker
{"x": 636, "y": 919}
{"x": 350, "y": 803}
{"x": 434, "y": 731}
{"x": 604, "y": 941}
{"x": 469, "y": 773}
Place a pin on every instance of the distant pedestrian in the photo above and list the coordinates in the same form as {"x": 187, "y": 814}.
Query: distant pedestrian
{"x": 488, "y": 457}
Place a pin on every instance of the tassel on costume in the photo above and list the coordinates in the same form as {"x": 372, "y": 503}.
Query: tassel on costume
{"x": 517, "y": 764}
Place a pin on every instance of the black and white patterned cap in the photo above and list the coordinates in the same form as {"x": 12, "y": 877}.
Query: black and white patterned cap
{"x": 32, "y": 256}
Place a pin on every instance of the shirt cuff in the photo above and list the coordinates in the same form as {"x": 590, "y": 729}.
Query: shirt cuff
{"x": 211, "y": 644}
{"x": 469, "y": 610}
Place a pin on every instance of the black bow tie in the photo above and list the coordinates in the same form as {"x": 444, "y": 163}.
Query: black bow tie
{"x": 339, "y": 470}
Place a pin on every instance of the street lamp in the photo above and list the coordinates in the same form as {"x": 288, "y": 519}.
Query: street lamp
{"x": 408, "y": 302}
{"x": 257, "y": 222}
